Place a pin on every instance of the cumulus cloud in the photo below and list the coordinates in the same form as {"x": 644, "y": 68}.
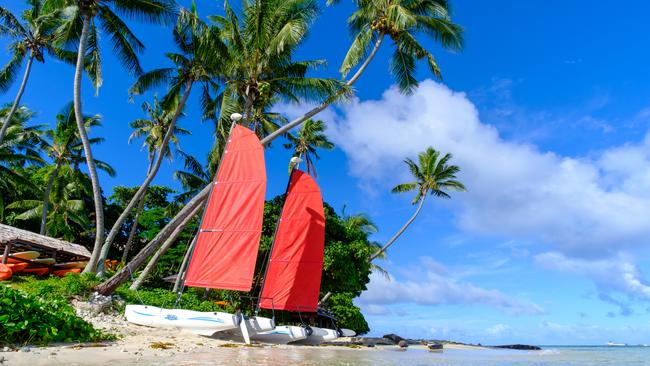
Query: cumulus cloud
{"x": 614, "y": 275}
{"x": 582, "y": 206}
{"x": 433, "y": 287}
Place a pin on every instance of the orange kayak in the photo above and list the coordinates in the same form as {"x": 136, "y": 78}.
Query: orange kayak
{"x": 37, "y": 271}
{"x": 17, "y": 267}
{"x": 63, "y": 272}
{"x": 5, "y": 272}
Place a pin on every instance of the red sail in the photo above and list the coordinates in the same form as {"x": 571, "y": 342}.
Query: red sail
{"x": 226, "y": 248}
{"x": 294, "y": 273}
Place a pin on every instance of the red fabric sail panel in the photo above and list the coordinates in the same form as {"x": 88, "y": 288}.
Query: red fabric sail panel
{"x": 226, "y": 249}
{"x": 296, "y": 264}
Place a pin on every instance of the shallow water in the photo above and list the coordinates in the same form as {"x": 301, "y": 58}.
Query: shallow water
{"x": 565, "y": 356}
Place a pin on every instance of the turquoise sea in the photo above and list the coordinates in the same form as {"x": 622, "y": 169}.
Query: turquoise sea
{"x": 551, "y": 355}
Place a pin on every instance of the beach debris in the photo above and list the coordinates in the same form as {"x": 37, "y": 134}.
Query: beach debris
{"x": 162, "y": 345}
{"x": 435, "y": 347}
{"x": 403, "y": 344}
{"x": 229, "y": 345}
{"x": 2, "y": 359}
{"x": 393, "y": 338}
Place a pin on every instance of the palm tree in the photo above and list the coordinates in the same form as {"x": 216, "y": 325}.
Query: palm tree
{"x": 67, "y": 216}
{"x": 402, "y": 21}
{"x": 88, "y": 16}
{"x": 432, "y": 176}
{"x": 153, "y": 130}
{"x": 199, "y": 59}
{"x": 363, "y": 223}
{"x": 32, "y": 39}
{"x": 21, "y": 148}
{"x": 310, "y": 137}
{"x": 192, "y": 179}
{"x": 65, "y": 150}
{"x": 260, "y": 69}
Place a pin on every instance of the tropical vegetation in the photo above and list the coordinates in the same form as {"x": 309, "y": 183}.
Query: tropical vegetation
{"x": 245, "y": 59}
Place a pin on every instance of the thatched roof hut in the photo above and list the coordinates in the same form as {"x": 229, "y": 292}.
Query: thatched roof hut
{"x": 18, "y": 240}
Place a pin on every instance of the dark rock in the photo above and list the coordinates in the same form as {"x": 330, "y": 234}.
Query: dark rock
{"x": 394, "y": 338}
{"x": 371, "y": 346}
{"x": 434, "y": 346}
{"x": 523, "y": 347}
{"x": 403, "y": 344}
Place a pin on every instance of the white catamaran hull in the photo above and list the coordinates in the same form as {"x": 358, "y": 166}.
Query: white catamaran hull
{"x": 280, "y": 335}
{"x": 318, "y": 336}
{"x": 348, "y": 332}
{"x": 197, "y": 322}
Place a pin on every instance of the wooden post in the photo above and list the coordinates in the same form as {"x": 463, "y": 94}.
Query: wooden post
{"x": 5, "y": 256}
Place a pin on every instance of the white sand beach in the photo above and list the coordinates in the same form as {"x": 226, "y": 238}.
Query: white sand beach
{"x": 140, "y": 345}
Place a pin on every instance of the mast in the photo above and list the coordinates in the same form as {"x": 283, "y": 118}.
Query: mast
{"x": 296, "y": 160}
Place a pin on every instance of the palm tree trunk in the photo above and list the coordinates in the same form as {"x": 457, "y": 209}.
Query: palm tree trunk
{"x": 166, "y": 245}
{"x": 109, "y": 286}
{"x": 390, "y": 242}
{"x": 46, "y": 196}
{"x": 181, "y": 271}
{"x": 284, "y": 129}
{"x": 400, "y": 232}
{"x": 136, "y": 219}
{"x": 152, "y": 174}
{"x": 90, "y": 162}
{"x": 134, "y": 228}
{"x": 14, "y": 107}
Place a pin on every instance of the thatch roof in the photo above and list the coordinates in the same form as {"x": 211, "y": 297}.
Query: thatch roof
{"x": 23, "y": 238}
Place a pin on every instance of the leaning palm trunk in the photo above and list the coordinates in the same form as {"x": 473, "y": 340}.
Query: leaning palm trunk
{"x": 90, "y": 162}
{"x": 112, "y": 283}
{"x": 46, "y": 196}
{"x": 166, "y": 245}
{"x": 389, "y": 243}
{"x": 14, "y": 107}
{"x": 284, "y": 129}
{"x": 134, "y": 228}
{"x": 183, "y": 268}
{"x": 136, "y": 219}
{"x": 400, "y": 232}
{"x": 152, "y": 174}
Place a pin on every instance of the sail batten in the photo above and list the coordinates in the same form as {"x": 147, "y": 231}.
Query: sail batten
{"x": 226, "y": 248}
{"x": 294, "y": 270}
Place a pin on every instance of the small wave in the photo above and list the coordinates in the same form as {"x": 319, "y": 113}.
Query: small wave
{"x": 547, "y": 352}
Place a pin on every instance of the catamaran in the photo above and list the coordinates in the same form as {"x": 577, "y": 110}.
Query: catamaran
{"x": 224, "y": 251}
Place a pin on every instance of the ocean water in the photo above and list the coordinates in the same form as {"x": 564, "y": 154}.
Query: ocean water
{"x": 550, "y": 356}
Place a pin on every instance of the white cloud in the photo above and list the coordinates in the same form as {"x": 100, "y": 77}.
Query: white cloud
{"x": 498, "y": 329}
{"x": 614, "y": 275}
{"x": 435, "y": 288}
{"x": 581, "y": 206}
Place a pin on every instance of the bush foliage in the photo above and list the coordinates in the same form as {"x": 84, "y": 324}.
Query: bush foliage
{"x": 36, "y": 319}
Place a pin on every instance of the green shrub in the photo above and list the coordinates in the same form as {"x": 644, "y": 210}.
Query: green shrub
{"x": 347, "y": 314}
{"x": 31, "y": 319}
{"x": 61, "y": 287}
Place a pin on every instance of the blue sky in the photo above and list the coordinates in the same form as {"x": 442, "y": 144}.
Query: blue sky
{"x": 546, "y": 112}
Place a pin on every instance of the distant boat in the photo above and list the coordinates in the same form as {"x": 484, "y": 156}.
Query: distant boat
{"x": 614, "y": 344}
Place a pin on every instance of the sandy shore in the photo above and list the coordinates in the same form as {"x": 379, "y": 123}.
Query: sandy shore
{"x": 140, "y": 345}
